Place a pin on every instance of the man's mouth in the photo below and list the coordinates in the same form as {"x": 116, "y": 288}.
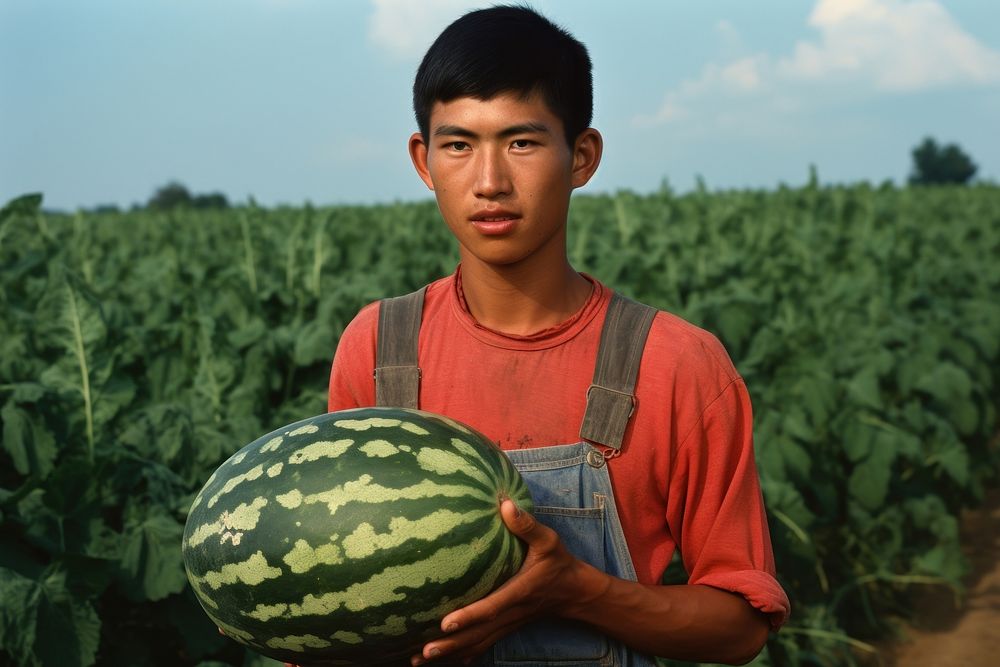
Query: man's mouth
{"x": 494, "y": 215}
{"x": 495, "y": 223}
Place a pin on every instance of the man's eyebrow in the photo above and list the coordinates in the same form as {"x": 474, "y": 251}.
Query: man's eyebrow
{"x": 520, "y": 128}
{"x": 525, "y": 128}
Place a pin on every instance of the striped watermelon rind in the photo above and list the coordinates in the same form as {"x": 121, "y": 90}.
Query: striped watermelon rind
{"x": 345, "y": 538}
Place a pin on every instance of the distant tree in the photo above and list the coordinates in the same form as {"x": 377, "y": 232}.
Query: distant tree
{"x": 933, "y": 164}
{"x": 212, "y": 200}
{"x": 175, "y": 195}
{"x": 170, "y": 196}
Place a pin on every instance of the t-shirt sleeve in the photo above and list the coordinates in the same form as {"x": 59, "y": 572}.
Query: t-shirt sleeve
{"x": 716, "y": 508}
{"x": 352, "y": 384}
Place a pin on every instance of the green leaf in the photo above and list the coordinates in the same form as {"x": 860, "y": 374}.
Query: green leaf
{"x": 946, "y": 382}
{"x": 796, "y": 425}
{"x": 72, "y": 487}
{"x": 25, "y": 205}
{"x": 30, "y": 445}
{"x": 954, "y": 460}
{"x": 157, "y": 431}
{"x": 41, "y": 524}
{"x": 111, "y": 397}
{"x": 869, "y": 481}
{"x": 864, "y": 388}
{"x": 19, "y": 601}
{"x": 26, "y": 392}
{"x": 165, "y": 487}
{"x": 166, "y": 378}
{"x": 984, "y": 335}
{"x": 785, "y": 500}
{"x": 793, "y": 459}
{"x": 943, "y": 561}
{"x": 858, "y": 440}
{"x": 74, "y": 322}
{"x": 151, "y": 565}
{"x": 314, "y": 343}
{"x": 930, "y": 514}
{"x": 963, "y": 352}
{"x": 62, "y": 377}
{"x": 735, "y": 321}
{"x": 870, "y": 433}
{"x": 69, "y": 313}
{"x": 952, "y": 387}
{"x": 248, "y": 334}
{"x": 42, "y": 624}
{"x": 69, "y": 630}
{"x": 87, "y": 576}
{"x": 818, "y": 394}
{"x": 965, "y": 416}
{"x": 905, "y": 443}
{"x": 214, "y": 375}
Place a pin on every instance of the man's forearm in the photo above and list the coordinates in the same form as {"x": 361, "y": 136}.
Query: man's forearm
{"x": 682, "y": 622}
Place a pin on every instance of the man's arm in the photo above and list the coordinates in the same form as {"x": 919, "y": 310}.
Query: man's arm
{"x": 684, "y": 622}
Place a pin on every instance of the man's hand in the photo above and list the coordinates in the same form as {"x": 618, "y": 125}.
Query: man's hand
{"x": 545, "y": 581}
{"x": 685, "y": 622}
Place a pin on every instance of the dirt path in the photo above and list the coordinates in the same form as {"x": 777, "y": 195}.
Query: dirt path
{"x": 943, "y": 635}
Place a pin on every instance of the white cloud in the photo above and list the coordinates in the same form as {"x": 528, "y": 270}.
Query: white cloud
{"x": 405, "y": 28}
{"x": 729, "y": 37}
{"x": 721, "y": 83}
{"x": 871, "y": 45}
{"x": 727, "y": 29}
{"x": 892, "y": 45}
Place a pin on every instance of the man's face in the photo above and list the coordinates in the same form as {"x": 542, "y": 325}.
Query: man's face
{"x": 502, "y": 174}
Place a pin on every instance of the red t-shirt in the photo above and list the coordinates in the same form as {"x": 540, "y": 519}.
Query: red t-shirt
{"x": 686, "y": 476}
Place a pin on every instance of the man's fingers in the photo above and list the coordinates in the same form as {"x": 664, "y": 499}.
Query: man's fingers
{"x": 464, "y": 645}
{"x": 471, "y": 629}
{"x": 480, "y": 611}
{"x": 518, "y": 521}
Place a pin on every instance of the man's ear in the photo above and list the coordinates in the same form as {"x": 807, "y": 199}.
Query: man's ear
{"x": 418, "y": 154}
{"x": 587, "y": 151}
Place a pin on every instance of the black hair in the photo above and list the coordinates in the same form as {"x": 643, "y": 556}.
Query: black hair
{"x": 507, "y": 49}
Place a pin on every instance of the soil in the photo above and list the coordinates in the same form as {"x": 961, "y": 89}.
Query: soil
{"x": 966, "y": 632}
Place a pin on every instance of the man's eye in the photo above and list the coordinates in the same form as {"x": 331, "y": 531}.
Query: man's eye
{"x": 458, "y": 146}
{"x": 522, "y": 143}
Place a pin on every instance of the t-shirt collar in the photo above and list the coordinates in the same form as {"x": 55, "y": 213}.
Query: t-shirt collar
{"x": 546, "y": 338}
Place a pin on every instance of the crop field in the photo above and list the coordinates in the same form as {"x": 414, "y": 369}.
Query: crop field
{"x": 139, "y": 350}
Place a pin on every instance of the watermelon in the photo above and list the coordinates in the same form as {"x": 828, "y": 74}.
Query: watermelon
{"x": 345, "y": 538}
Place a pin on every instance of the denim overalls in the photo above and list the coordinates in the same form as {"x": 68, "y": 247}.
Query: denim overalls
{"x": 569, "y": 484}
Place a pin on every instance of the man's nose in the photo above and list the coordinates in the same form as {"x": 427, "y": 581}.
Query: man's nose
{"x": 493, "y": 175}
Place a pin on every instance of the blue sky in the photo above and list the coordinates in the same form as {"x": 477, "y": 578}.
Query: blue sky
{"x": 291, "y": 101}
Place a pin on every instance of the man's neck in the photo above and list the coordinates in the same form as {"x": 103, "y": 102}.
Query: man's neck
{"x": 522, "y": 299}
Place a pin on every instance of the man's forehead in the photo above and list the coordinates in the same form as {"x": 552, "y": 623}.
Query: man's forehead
{"x": 501, "y": 110}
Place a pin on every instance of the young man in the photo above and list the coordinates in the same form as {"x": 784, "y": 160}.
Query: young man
{"x": 636, "y": 440}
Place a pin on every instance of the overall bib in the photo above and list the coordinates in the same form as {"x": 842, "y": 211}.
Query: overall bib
{"x": 569, "y": 484}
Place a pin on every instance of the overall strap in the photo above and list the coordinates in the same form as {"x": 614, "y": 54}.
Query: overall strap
{"x": 611, "y": 396}
{"x": 397, "y": 376}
